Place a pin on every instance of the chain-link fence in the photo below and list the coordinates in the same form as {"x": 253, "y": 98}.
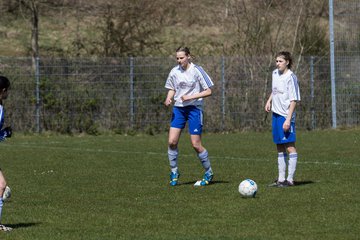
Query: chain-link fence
{"x": 122, "y": 94}
{"x": 347, "y": 61}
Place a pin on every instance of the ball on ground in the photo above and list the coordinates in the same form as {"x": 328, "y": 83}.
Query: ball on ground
{"x": 248, "y": 188}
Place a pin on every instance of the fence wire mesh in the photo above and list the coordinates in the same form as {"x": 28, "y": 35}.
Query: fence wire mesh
{"x": 121, "y": 94}
{"x": 347, "y": 60}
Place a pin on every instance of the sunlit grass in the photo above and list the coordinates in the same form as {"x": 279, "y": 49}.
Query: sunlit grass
{"x": 116, "y": 187}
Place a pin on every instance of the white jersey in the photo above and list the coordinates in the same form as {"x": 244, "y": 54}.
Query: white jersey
{"x": 2, "y": 132}
{"x": 285, "y": 88}
{"x": 1, "y": 116}
{"x": 188, "y": 82}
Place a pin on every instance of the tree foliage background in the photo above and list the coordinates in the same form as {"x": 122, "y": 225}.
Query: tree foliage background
{"x": 82, "y": 44}
{"x": 79, "y": 28}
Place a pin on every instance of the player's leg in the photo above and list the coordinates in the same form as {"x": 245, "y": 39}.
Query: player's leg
{"x": 195, "y": 129}
{"x": 202, "y": 153}
{"x": 2, "y": 189}
{"x": 282, "y": 158}
{"x": 293, "y": 156}
{"x": 203, "y": 156}
{"x": 278, "y": 135}
{"x": 290, "y": 147}
{"x": 178, "y": 122}
{"x": 173, "y": 152}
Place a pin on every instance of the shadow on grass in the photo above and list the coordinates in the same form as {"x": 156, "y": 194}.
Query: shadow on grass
{"x": 211, "y": 183}
{"x": 299, "y": 183}
{"x": 22, "y": 225}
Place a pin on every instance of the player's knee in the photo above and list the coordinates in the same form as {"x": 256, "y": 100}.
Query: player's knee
{"x": 2, "y": 185}
{"x": 172, "y": 144}
{"x": 197, "y": 147}
{"x": 291, "y": 148}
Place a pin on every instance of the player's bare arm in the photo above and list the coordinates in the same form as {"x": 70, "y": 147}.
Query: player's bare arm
{"x": 268, "y": 104}
{"x": 169, "y": 97}
{"x": 287, "y": 122}
{"x": 202, "y": 94}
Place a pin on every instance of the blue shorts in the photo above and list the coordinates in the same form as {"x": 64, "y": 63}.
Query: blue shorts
{"x": 279, "y": 136}
{"x": 192, "y": 114}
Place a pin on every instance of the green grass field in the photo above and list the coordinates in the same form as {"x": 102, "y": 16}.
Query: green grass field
{"x": 116, "y": 187}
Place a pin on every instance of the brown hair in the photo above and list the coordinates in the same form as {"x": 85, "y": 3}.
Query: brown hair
{"x": 186, "y": 50}
{"x": 287, "y": 57}
{"x": 4, "y": 83}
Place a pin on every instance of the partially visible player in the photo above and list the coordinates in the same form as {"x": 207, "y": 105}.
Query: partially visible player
{"x": 188, "y": 84}
{"x": 282, "y": 102}
{"x": 4, "y": 133}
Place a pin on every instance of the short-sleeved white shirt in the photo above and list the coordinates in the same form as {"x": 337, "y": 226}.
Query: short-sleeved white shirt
{"x": 188, "y": 82}
{"x": 1, "y": 116}
{"x": 285, "y": 88}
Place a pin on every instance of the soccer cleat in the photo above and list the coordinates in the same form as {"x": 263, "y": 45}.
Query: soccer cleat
{"x": 174, "y": 177}
{"x": 207, "y": 179}
{"x": 290, "y": 183}
{"x": 278, "y": 184}
{"x": 5, "y": 229}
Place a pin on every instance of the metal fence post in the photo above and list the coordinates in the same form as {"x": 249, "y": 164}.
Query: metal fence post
{"x": 37, "y": 92}
{"x": 312, "y": 92}
{"x": 222, "y": 93}
{"x": 131, "y": 92}
{"x": 332, "y": 63}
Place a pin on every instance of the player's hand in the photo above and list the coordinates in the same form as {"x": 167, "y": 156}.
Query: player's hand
{"x": 268, "y": 107}
{"x": 8, "y": 132}
{"x": 286, "y": 126}
{"x": 185, "y": 98}
{"x": 168, "y": 102}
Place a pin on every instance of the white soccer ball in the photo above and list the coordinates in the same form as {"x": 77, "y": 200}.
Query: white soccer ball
{"x": 248, "y": 188}
{"x": 7, "y": 193}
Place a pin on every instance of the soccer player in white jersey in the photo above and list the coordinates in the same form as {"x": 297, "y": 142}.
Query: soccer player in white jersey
{"x": 187, "y": 85}
{"x": 282, "y": 102}
{"x": 4, "y": 133}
